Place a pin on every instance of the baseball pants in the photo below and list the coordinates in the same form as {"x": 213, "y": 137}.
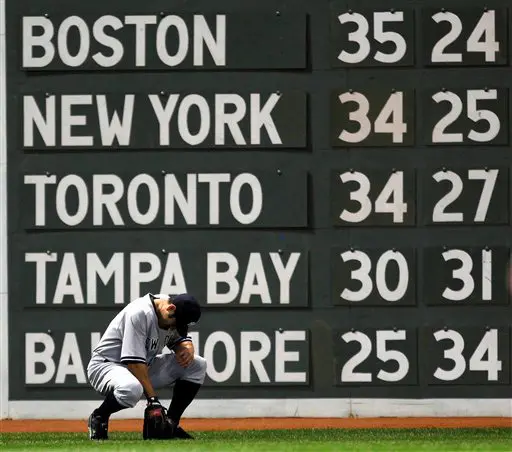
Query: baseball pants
{"x": 163, "y": 372}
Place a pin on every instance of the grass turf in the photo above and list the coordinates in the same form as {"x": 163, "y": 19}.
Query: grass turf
{"x": 275, "y": 441}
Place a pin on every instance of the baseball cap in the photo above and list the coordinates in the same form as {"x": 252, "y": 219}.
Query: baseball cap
{"x": 188, "y": 310}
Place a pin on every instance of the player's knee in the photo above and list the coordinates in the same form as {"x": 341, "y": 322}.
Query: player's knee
{"x": 129, "y": 393}
{"x": 198, "y": 370}
{"x": 201, "y": 363}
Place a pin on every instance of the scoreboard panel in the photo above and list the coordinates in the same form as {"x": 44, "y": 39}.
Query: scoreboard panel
{"x": 465, "y": 276}
{"x": 371, "y": 38}
{"x": 373, "y": 197}
{"x": 332, "y": 179}
{"x": 466, "y": 196}
{"x": 372, "y": 118}
{"x": 476, "y": 116}
{"x": 468, "y": 356}
{"x": 468, "y": 36}
{"x": 376, "y": 357}
{"x": 373, "y": 277}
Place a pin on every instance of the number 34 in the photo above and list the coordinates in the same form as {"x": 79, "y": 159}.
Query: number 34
{"x": 390, "y": 200}
{"x": 477, "y": 362}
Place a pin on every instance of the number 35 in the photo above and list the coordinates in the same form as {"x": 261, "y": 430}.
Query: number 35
{"x": 360, "y": 36}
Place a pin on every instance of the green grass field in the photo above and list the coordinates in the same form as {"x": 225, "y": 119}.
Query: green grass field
{"x": 275, "y": 441}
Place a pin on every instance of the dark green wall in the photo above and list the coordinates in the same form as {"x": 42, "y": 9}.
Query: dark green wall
{"x": 289, "y": 48}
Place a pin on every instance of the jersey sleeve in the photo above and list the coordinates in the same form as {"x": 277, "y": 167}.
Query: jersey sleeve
{"x": 177, "y": 336}
{"x": 133, "y": 348}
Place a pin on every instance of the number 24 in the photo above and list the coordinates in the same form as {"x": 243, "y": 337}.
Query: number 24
{"x": 485, "y": 28}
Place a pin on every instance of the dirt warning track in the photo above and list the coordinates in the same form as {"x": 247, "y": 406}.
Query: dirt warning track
{"x": 134, "y": 425}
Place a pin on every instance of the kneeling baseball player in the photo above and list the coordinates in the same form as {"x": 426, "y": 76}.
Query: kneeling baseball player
{"x": 128, "y": 362}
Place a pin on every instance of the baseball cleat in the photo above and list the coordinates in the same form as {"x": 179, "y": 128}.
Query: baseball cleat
{"x": 98, "y": 427}
{"x": 179, "y": 433}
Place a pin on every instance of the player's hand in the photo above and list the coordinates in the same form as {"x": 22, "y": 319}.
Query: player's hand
{"x": 184, "y": 353}
{"x": 154, "y": 402}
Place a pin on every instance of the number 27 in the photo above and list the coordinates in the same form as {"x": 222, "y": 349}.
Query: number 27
{"x": 488, "y": 176}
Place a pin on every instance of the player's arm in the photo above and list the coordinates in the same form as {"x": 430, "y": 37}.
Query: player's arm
{"x": 133, "y": 351}
{"x": 140, "y": 371}
{"x": 183, "y": 347}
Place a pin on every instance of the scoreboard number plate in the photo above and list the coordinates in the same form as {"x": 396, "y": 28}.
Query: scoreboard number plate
{"x": 373, "y": 197}
{"x": 373, "y": 277}
{"x": 375, "y": 117}
{"x": 466, "y": 196}
{"x": 371, "y": 38}
{"x": 465, "y": 276}
{"x": 375, "y": 357}
{"x": 476, "y": 116}
{"x": 468, "y": 356}
{"x": 465, "y": 37}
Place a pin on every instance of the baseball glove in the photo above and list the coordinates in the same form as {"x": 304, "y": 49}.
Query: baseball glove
{"x": 156, "y": 423}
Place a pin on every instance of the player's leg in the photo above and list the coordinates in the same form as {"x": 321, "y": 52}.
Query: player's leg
{"x": 165, "y": 371}
{"x": 120, "y": 388}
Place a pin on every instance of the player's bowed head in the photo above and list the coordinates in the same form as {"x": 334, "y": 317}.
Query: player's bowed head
{"x": 177, "y": 311}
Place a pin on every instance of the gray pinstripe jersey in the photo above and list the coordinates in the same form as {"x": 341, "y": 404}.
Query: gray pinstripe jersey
{"x": 134, "y": 335}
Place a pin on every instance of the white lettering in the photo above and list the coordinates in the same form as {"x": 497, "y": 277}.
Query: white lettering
{"x": 69, "y": 281}
{"x": 216, "y": 277}
{"x": 45, "y": 123}
{"x": 173, "y": 280}
{"x": 140, "y": 23}
{"x": 161, "y": 40}
{"x": 284, "y": 273}
{"x": 213, "y": 339}
{"x": 115, "y": 129}
{"x": 69, "y": 120}
{"x": 70, "y": 361}
{"x": 39, "y": 354}
{"x": 71, "y": 180}
{"x": 78, "y": 276}
{"x": 204, "y": 36}
{"x": 255, "y": 282}
{"x": 174, "y": 194}
{"x": 44, "y": 357}
{"x": 262, "y": 117}
{"x": 254, "y": 357}
{"x": 42, "y": 40}
{"x": 199, "y": 102}
{"x": 63, "y": 38}
{"x": 241, "y": 353}
{"x": 223, "y": 119}
{"x": 40, "y": 259}
{"x": 257, "y": 198}
{"x": 114, "y": 268}
{"x": 283, "y": 356}
{"x": 213, "y": 181}
{"x": 40, "y": 182}
{"x": 192, "y": 119}
{"x": 163, "y": 115}
{"x": 154, "y": 199}
{"x": 115, "y": 46}
{"x": 189, "y": 38}
{"x": 138, "y": 276}
{"x": 107, "y": 200}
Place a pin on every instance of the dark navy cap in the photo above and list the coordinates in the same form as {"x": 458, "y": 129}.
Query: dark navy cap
{"x": 188, "y": 310}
